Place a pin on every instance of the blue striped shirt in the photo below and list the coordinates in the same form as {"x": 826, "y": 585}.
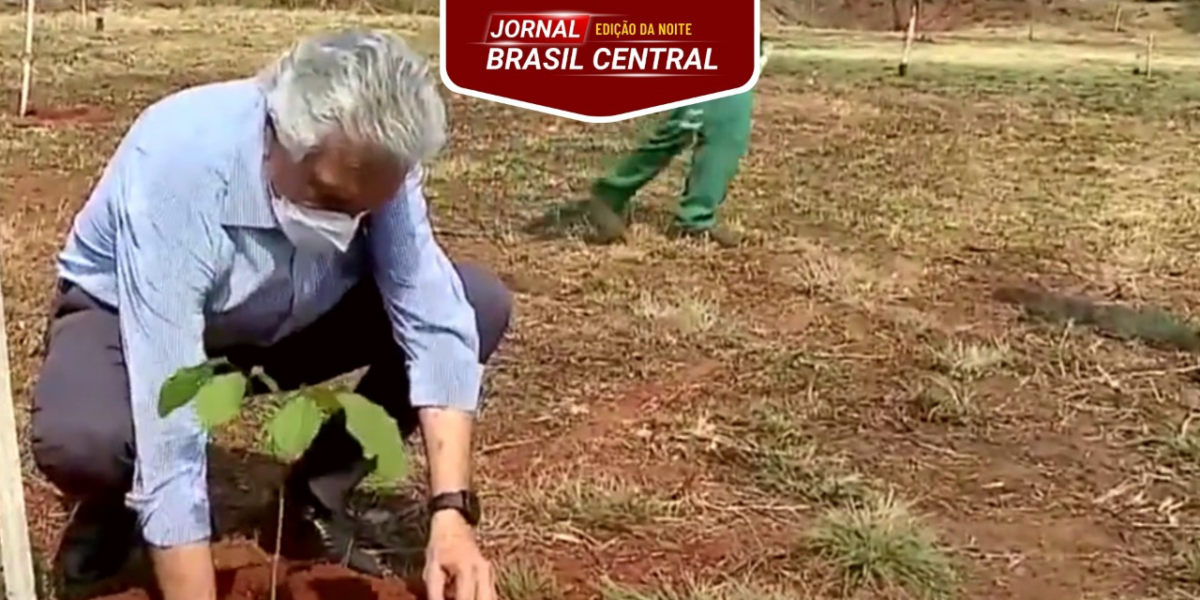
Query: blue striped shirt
{"x": 180, "y": 237}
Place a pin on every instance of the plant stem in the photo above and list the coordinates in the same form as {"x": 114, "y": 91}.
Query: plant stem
{"x": 278, "y": 545}
{"x": 272, "y": 385}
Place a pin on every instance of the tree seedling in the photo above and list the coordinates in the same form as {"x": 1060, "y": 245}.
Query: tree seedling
{"x": 217, "y": 398}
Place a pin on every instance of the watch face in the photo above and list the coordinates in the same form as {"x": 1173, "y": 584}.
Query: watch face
{"x": 471, "y": 502}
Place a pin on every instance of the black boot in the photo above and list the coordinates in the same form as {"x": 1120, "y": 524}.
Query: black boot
{"x": 314, "y": 531}
{"x": 97, "y": 542}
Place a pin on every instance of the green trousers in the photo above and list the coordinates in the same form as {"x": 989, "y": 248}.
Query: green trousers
{"x": 719, "y": 136}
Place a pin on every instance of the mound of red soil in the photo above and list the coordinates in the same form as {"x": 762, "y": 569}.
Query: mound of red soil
{"x": 242, "y": 578}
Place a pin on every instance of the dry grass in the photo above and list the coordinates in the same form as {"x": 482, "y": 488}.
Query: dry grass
{"x": 970, "y": 360}
{"x": 519, "y": 580}
{"x": 709, "y": 404}
{"x": 881, "y": 546}
{"x": 1181, "y": 443}
{"x": 692, "y": 590}
{"x": 771, "y": 451}
{"x": 675, "y": 318}
{"x": 603, "y": 506}
{"x": 949, "y": 401}
{"x": 832, "y": 278}
{"x": 999, "y": 51}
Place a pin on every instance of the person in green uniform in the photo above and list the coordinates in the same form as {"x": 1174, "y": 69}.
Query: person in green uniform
{"x": 718, "y": 132}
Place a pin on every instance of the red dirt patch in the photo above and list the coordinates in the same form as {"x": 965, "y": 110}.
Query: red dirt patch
{"x": 245, "y": 574}
{"x": 76, "y": 115}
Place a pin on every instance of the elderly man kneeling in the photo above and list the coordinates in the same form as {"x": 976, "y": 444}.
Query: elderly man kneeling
{"x": 278, "y": 221}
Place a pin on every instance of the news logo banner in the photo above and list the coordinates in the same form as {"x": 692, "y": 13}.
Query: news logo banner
{"x": 546, "y": 32}
{"x": 626, "y": 59}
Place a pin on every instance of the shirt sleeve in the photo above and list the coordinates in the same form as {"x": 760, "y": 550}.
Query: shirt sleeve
{"x": 423, "y": 295}
{"x": 166, "y": 257}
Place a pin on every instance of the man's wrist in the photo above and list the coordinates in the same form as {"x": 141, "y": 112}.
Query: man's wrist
{"x": 463, "y": 503}
{"x": 447, "y": 517}
{"x": 448, "y": 525}
{"x": 185, "y": 572}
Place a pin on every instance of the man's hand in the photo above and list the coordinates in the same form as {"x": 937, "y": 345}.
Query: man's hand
{"x": 453, "y": 555}
{"x": 185, "y": 572}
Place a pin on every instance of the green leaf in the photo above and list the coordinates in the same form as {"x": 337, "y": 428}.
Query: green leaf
{"x": 181, "y": 387}
{"x": 378, "y": 434}
{"x": 294, "y": 427}
{"x": 220, "y": 399}
{"x": 326, "y": 398}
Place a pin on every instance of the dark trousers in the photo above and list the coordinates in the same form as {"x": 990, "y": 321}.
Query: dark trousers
{"x": 82, "y": 419}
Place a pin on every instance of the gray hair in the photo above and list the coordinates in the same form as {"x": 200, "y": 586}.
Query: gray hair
{"x": 369, "y": 85}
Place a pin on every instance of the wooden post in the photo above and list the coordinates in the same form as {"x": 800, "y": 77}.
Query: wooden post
{"x": 1117, "y": 19}
{"x": 909, "y": 34}
{"x": 1149, "y": 54}
{"x": 83, "y": 11}
{"x": 27, "y": 62}
{"x": 15, "y": 554}
{"x": 1032, "y": 17}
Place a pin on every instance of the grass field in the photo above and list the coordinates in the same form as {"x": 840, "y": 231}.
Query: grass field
{"x": 839, "y": 409}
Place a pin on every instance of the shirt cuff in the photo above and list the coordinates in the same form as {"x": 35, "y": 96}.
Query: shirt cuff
{"x": 445, "y": 384}
{"x": 176, "y": 514}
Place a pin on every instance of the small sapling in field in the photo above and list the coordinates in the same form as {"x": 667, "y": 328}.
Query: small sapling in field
{"x": 216, "y": 391}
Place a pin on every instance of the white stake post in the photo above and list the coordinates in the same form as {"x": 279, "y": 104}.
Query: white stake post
{"x": 27, "y": 60}
{"x": 909, "y": 34}
{"x": 15, "y": 554}
{"x": 1149, "y": 54}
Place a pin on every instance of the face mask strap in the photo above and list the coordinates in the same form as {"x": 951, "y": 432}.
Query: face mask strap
{"x": 302, "y": 226}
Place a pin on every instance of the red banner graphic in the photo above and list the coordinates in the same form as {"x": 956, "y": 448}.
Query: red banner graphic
{"x": 615, "y": 60}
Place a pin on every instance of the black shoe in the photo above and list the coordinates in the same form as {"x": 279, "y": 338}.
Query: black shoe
{"x": 314, "y": 532}
{"x": 97, "y": 542}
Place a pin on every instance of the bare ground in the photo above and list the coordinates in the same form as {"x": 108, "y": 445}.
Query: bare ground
{"x": 838, "y": 409}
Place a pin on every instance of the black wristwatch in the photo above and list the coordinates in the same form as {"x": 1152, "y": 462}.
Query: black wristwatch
{"x": 465, "y": 502}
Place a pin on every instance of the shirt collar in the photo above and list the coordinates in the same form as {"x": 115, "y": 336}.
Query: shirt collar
{"x": 248, "y": 202}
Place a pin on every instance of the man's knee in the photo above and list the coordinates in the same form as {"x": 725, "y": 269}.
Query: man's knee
{"x": 493, "y": 304}
{"x": 82, "y": 425}
{"x": 83, "y": 454}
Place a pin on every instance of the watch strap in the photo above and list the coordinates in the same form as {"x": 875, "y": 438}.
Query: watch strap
{"x": 465, "y": 502}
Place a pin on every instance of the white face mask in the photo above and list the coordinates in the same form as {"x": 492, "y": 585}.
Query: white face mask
{"x": 313, "y": 229}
